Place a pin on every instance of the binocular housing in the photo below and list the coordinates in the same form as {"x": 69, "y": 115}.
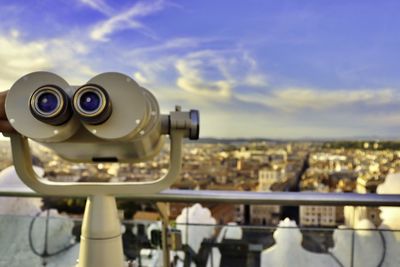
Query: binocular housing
{"x": 108, "y": 119}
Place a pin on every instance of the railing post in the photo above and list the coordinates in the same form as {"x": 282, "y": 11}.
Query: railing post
{"x": 163, "y": 210}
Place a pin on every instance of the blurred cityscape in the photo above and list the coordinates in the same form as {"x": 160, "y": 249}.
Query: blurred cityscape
{"x": 240, "y": 165}
{"x": 251, "y": 165}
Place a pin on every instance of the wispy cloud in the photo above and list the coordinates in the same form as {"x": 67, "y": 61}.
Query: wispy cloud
{"x": 295, "y": 99}
{"x": 384, "y": 119}
{"x": 194, "y": 69}
{"x": 155, "y": 64}
{"x": 127, "y": 19}
{"x": 98, "y": 5}
{"x": 218, "y": 73}
{"x": 171, "y": 46}
{"x": 210, "y": 74}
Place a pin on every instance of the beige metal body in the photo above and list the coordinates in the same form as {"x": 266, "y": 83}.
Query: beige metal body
{"x": 132, "y": 133}
{"x": 23, "y": 165}
{"x": 94, "y": 149}
{"x": 19, "y": 114}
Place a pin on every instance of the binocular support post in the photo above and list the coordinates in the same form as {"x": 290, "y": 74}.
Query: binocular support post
{"x": 101, "y": 241}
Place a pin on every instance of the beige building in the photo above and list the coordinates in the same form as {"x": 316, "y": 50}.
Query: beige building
{"x": 318, "y": 215}
{"x": 368, "y": 182}
{"x": 267, "y": 214}
{"x": 269, "y": 175}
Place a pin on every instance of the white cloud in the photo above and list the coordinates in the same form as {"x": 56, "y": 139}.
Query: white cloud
{"x": 192, "y": 75}
{"x": 255, "y": 80}
{"x": 98, "y": 5}
{"x": 138, "y": 76}
{"x": 154, "y": 71}
{"x": 155, "y": 65}
{"x": 169, "y": 46}
{"x": 18, "y": 58}
{"x": 200, "y": 75}
{"x": 306, "y": 112}
{"x": 69, "y": 59}
{"x": 391, "y": 118}
{"x": 217, "y": 73}
{"x": 294, "y": 99}
{"x": 127, "y": 19}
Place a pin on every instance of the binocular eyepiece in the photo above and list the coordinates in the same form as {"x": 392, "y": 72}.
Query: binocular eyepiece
{"x": 50, "y": 104}
{"x": 92, "y": 104}
{"x": 110, "y": 118}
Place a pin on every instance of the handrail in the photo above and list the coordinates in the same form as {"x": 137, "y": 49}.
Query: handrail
{"x": 246, "y": 197}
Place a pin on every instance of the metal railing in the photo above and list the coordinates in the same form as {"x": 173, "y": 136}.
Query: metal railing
{"x": 272, "y": 198}
{"x": 248, "y": 197}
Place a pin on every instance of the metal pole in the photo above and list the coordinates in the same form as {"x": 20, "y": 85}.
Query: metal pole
{"x": 163, "y": 210}
{"x": 101, "y": 242}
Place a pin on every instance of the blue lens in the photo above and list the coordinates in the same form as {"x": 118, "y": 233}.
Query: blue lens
{"x": 90, "y": 101}
{"x": 47, "y": 102}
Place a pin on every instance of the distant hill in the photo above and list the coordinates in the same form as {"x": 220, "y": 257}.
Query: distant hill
{"x": 212, "y": 140}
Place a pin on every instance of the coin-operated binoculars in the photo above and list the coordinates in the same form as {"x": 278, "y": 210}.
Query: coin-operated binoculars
{"x": 109, "y": 119}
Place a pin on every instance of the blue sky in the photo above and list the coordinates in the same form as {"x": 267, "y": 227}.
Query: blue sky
{"x": 279, "y": 69}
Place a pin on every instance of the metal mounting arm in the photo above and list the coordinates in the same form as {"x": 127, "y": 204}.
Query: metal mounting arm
{"x": 23, "y": 166}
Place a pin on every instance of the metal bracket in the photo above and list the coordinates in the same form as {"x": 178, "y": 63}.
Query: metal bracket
{"x": 23, "y": 165}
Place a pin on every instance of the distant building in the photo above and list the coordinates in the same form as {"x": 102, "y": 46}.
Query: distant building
{"x": 354, "y": 215}
{"x": 278, "y": 156}
{"x": 269, "y": 175}
{"x": 267, "y": 214}
{"x": 222, "y": 212}
{"x": 318, "y": 216}
{"x": 367, "y": 183}
{"x": 146, "y": 217}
